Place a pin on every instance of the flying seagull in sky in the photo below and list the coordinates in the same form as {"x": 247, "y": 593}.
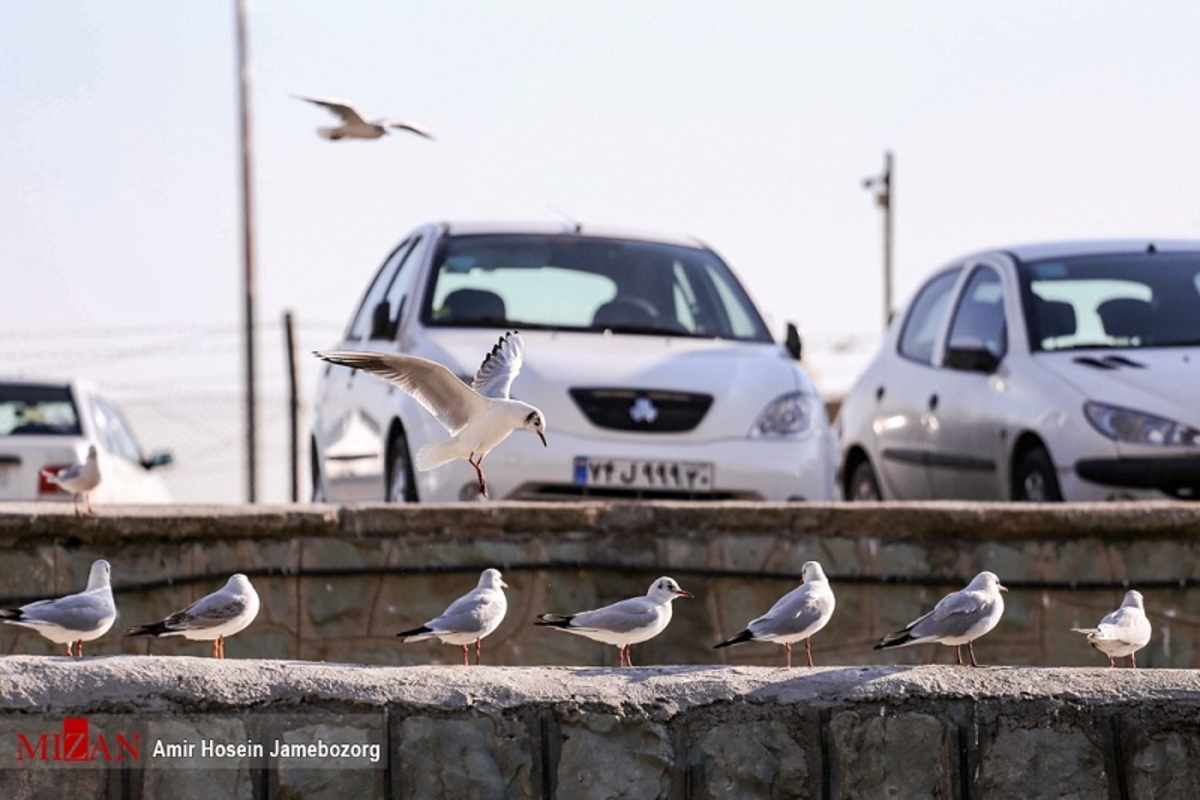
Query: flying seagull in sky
{"x": 478, "y": 417}
{"x": 959, "y": 618}
{"x": 354, "y": 126}
{"x": 74, "y": 619}
{"x": 796, "y": 616}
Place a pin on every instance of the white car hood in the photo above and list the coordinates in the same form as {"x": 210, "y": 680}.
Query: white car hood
{"x": 742, "y": 377}
{"x": 1162, "y": 381}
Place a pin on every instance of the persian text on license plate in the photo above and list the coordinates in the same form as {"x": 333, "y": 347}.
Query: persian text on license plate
{"x": 663, "y": 476}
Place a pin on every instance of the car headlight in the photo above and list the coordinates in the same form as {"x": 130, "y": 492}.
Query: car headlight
{"x": 1138, "y": 427}
{"x": 787, "y": 415}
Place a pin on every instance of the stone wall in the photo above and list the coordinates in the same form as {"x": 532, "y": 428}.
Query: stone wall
{"x": 337, "y": 584}
{"x": 670, "y": 732}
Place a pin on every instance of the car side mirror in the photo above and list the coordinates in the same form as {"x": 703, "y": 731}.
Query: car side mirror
{"x": 792, "y": 341}
{"x": 971, "y": 358}
{"x": 160, "y": 458}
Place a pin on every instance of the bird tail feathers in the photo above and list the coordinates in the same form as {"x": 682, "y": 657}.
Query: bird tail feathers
{"x": 435, "y": 454}
{"x": 744, "y": 636}
{"x": 897, "y": 639}
{"x": 415, "y": 635}
{"x": 10, "y": 613}
{"x": 153, "y": 629}
{"x": 554, "y": 620}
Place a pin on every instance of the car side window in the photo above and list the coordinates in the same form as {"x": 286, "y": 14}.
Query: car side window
{"x": 925, "y": 318}
{"x": 979, "y": 319}
{"x": 111, "y": 426}
{"x": 397, "y": 292}
{"x": 360, "y": 326}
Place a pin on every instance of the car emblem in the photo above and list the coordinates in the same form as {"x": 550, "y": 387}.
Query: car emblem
{"x": 643, "y": 410}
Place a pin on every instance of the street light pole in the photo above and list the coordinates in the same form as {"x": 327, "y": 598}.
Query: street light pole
{"x": 882, "y": 184}
{"x": 243, "y": 61}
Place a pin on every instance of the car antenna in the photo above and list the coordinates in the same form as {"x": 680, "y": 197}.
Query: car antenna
{"x": 576, "y": 224}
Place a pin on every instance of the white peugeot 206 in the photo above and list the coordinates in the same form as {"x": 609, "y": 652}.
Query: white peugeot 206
{"x": 1062, "y": 371}
{"x": 655, "y": 372}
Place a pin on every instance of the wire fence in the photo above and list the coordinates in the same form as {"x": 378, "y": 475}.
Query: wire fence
{"x": 182, "y": 389}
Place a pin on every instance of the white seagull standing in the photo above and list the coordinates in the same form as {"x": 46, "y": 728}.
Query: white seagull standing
{"x": 624, "y": 623}
{"x": 478, "y": 417}
{"x": 211, "y": 618}
{"x": 78, "y": 479}
{"x": 797, "y": 615}
{"x": 75, "y": 618}
{"x": 469, "y": 618}
{"x": 1122, "y": 632}
{"x": 959, "y": 618}
{"x": 354, "y": 126}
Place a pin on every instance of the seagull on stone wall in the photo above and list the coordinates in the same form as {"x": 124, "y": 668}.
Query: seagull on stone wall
{"x": 78, "y": 479}
{"x": 1122, "y": 632}
{"x": 354, "y": 126}
{"x": 796, "y": 616}
{"x": 75, "y": 618}
{"x": 959, "y": 618}
{"x": 469, "y": 618}
{"x": 211, "y": 618}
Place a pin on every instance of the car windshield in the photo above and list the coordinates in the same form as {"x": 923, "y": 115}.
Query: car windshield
{"x": 1113, "y": 301}
{"x": 29, "y": 409}
{"x": 568, "y": 282}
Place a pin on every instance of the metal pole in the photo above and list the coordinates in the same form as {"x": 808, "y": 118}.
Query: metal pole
{"x": 882, "y": 184}
{"x": 293, "y": 404}
{"x": 243, "y": 61}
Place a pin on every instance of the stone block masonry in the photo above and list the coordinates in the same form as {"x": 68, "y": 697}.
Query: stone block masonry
{"x": 671, "y": 732}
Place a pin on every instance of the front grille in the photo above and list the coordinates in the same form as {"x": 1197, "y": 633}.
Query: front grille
{"x": 651, "y": 411}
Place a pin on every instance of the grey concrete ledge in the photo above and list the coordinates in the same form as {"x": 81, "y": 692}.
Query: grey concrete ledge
{"x": 185, "y": 684}
{"x": 966, "y": 521}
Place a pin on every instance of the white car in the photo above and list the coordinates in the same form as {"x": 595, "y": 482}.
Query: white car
{"x": 655, "y": 371}
{"x": 1062, "y": 371}
{"x": 51, "y": 424}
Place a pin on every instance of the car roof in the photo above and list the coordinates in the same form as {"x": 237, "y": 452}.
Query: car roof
{"x": 1041, "y": 250}
{"x": 478, "y": 227}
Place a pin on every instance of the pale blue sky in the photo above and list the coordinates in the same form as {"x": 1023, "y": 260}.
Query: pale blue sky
{"x": 750, "y": 125}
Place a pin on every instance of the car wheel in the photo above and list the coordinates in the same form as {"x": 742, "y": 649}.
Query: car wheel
{"x": 1034, "y": 479}
{"x": 401, "y": 484}
{"x": 320, "y": 492}
{"x": 863, "y": 485}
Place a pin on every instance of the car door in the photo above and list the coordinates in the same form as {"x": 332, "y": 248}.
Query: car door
{"x": 966, "y": 436}
{"x": 349, "y": 428}
{"x": 900, "y": 421}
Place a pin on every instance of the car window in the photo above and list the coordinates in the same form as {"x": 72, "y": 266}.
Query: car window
{"x": 43, "y": 410}
{"x": 360, "y": 325}
{"x": 588, "y": 283}
{"x": 979, "y": 318}
{"x": 1127, "y": 301}
{"x": 398, "y": 288}
{"x": 925, "y": 317}
{"x": 114, "y": 432}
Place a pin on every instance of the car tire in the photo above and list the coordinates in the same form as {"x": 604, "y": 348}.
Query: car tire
{"x": 401, "y": 482}
{"x": 863, "y": 486}
{"x": 1034, "y": 478}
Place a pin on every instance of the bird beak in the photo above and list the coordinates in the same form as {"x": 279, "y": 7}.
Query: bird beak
{"x": 503, "y": 585}
{"x": 1002, "y": 588}
{"x": 542, "y": 436}
{"x": 685, "y": 593}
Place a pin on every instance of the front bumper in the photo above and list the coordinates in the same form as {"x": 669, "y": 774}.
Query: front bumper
{"x": 1179, "y": 477}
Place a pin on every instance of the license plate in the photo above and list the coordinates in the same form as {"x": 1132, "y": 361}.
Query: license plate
{"x": 687, "y": 477}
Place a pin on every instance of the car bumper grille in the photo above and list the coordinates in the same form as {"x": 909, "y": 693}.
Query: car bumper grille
{"x": 648, "y": 411}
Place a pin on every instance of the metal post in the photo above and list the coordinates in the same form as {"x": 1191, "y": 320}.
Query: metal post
{"x": 243, "y": 61}
{"x": 293, "y": 404}
{"x": 882, "y": 184}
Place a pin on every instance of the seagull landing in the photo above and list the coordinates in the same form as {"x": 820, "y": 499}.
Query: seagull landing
{"x": 1122, "y": 632}
{"x": 796, "y": 616}
{"x": 478, "y": 417}
{"x": 211, "y": 618}
{"x": 78, "y": 479}
{"x": 959, "y": 618}
{"x": 624, "y": 623}
{"x": 74, "y": 619}
{"x": 354, "y": 126}
{"x": 469, "y": 618}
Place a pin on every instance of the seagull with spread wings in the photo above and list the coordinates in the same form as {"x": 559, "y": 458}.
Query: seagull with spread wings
{"x": 479, "y": 417}
{"x": 354, "y": 126}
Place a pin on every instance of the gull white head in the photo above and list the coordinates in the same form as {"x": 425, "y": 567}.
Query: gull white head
{"x": 985, "y": 581}
{"x": 1133, "y": 598}
{"x": 490, "y": 579}
{"x": 100, "y": 575}
{"x": 535, "y": 421}
{"x": 811, "y": 571}
{"x": 666, "y": 589}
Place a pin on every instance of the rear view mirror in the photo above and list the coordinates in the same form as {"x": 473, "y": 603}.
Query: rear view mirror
{"x": 160, "y": 458}
{"x": 971, "y": 358}
{"x": 792, "y": 341}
